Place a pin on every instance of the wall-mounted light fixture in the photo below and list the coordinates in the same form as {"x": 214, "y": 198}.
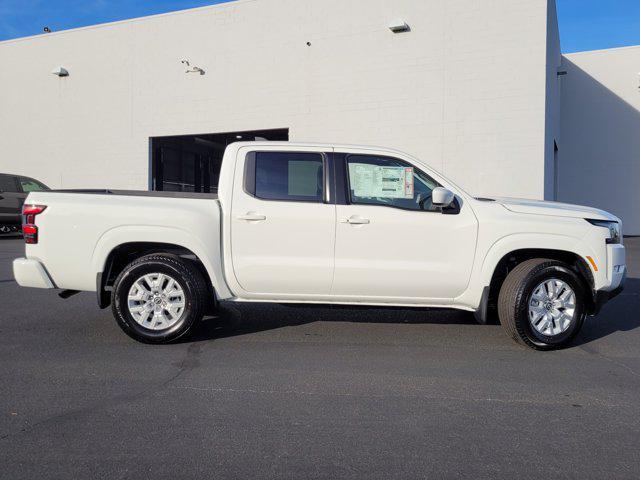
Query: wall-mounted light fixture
{"x": 399, "y": 26}
{"x": 191, "y": 69}
{"x": 60, "y": 72}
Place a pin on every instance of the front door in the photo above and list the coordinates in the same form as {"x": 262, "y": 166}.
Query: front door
{"x": 282, "y": 225}
{"x": 392, "y": 244}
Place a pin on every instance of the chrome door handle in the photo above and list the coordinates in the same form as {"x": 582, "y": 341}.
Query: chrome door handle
{"x": 253, "y": 217}
{"x": 355, "y": 220}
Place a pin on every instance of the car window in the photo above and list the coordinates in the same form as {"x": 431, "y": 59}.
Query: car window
{"x": 8, "y": 184}
{"x": 285, "y": 176}
{"x": 386, "y": 181}
{"x": 31, "y": 185}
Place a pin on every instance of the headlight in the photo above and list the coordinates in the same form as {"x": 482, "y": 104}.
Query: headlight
{"x": 615, "y": 235}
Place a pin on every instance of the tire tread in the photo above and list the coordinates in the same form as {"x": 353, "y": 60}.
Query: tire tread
{"x": 510, "y": 297}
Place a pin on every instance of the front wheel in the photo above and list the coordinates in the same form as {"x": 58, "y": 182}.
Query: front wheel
{"x": 542, "y": 304}
{"x": 159, "y": 298}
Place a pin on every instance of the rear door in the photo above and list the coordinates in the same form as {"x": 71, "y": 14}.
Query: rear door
{"x": 11, "y": 199}
{"x": 282, "y": 224}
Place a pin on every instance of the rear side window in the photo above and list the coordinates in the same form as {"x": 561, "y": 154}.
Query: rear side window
{"x": 8, "y": 184}
{"x": 31, "y": 185}
{"x": 286, "y": 176}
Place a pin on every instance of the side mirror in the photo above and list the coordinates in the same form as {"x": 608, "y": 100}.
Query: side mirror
{"x": 442, "y": 197}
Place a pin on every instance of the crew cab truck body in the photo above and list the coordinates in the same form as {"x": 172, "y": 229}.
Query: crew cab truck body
{"x": 325, "y": 224}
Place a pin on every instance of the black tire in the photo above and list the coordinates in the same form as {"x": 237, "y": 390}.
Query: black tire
{"x": 515, "y": 294}
{"x": 184, "y": 272}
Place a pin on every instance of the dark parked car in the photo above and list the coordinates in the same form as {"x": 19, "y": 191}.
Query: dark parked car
{"x": 13, "y": 190}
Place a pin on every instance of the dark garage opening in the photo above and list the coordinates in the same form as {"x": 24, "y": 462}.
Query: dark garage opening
{"x": 191, "y": 163}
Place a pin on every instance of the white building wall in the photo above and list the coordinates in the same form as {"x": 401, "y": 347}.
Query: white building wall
{"x": 600, "y": 152}
{"x": 465, "y": 89}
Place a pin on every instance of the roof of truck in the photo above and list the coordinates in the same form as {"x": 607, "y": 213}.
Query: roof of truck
{"x": 267, "y": 143}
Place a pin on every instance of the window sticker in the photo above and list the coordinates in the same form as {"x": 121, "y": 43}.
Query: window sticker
{"x": 373, "y": 181}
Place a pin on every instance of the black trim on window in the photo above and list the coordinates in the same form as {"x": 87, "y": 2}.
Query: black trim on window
{"x": 340, "y": 193}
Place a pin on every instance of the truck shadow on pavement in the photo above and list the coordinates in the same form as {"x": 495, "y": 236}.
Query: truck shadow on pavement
{"x": 622, "y": 314}
{"x": 235, "y": 320}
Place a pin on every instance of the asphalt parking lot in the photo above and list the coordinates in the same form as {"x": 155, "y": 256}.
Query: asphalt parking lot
{"x": 290, "y": 392}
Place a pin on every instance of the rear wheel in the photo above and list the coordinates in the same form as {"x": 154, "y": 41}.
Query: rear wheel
{"x": 159, "y": 298}
{"x": 542, "y": 304}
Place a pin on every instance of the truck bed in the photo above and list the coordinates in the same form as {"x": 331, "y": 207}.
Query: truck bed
{"x": 79, "y": 228}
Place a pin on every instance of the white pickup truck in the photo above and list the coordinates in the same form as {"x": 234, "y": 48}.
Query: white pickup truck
{"x": 324, "y": 224}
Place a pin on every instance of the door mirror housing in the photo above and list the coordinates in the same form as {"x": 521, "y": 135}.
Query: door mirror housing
{"x": 442, "y": 197}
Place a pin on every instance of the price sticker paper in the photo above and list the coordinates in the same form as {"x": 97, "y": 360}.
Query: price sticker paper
{"x": 374, "y": 181}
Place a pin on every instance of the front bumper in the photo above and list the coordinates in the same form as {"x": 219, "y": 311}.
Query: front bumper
{"x": 601, "y": 297}
{"x": 616, "y": 266}
{"x": 31, "y": 273}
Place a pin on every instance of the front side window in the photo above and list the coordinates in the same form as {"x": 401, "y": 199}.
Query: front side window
{"x": 31, "y": 185}
{"x": 285, "y": 176}
{"x": 386, "y": 181}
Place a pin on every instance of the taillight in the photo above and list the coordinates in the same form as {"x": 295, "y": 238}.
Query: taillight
{"x": 29, "y": 229}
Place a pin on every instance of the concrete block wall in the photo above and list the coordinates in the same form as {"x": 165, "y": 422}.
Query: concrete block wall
{"x": 465, "y": 90}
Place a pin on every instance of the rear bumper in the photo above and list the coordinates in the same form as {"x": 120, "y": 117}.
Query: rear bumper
{"x": 31, "y": 273}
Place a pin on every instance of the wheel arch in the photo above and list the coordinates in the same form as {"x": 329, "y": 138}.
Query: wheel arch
{"x": 110, "y": 260}
{"x": 510, "y": 260}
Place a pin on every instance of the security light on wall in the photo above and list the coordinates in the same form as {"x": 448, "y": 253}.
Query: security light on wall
{"x": 60, "y": 72}
{"x": 192, "y": 69}
{"x": 399, "y": 26}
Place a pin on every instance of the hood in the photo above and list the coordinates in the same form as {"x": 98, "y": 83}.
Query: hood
{"x": 556, "y": 209}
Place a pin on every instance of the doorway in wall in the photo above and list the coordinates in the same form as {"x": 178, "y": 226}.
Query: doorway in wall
{"x": 191, "y": 163}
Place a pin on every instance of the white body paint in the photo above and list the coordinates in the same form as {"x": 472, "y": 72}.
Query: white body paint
{"x": 306, "y": 252}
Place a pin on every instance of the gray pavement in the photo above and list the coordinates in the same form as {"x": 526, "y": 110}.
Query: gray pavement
{"x": 290, "y": 392}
